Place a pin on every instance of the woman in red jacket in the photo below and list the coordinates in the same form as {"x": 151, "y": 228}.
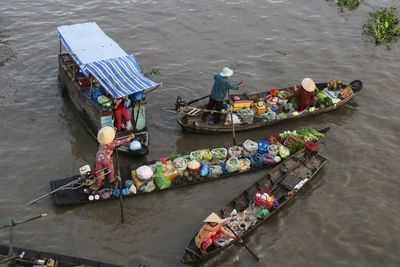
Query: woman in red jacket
{"x": 305, "y": 96}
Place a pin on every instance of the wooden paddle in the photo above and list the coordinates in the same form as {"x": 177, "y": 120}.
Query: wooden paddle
{"x": 196, "y": 100}
{"x": 248, "y": 249}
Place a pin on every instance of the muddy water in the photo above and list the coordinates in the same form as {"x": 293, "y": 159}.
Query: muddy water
{"x": 348, "y": 216}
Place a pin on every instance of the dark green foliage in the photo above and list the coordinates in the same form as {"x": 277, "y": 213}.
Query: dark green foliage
{"x": 382, "y": 25}
{"x": 153, "y": 71}
{"x": 346, "y": 3}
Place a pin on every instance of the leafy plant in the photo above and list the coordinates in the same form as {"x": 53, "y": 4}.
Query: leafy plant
{"x": 153, "y": 71}
{"x": 346, "y": 3}
{"x": 382, "y": 25}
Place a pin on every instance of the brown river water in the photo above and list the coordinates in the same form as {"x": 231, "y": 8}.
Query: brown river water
{"x": 349, "y": 216}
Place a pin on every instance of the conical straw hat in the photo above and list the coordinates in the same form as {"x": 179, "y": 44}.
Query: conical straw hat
{"x": 308, "y": 84}
{"x": 106, "y": 135}
{"x": 213, "y": 218}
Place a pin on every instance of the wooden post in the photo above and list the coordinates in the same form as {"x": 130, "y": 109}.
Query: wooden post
{"x": 233, "y": 124}
{"x": 73, "y": 70}
{"x": 11, "y": 239}
{"x": 91, "y": 86}
{"x": 60, "y": 46}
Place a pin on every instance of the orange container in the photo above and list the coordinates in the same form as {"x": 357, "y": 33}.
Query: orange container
{"x": 259, "y": 110}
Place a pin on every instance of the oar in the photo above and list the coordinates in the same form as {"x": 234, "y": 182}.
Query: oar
{"x": 12, "y": 224}
{"x": 231, "y": 113}
{"x": 248, "y": 249}
{"x": 193, "y": 101}
{"x": 56, "y": 190}
{"x": 120, "y": 187}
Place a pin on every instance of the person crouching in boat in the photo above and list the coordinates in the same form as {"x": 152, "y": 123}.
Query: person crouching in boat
{"x": 121, "y": 113}
{"x": 212, "y": 230}
{"x": 218, "y": 92}
{"x": 106, "y": 138}
{"x": 305, "y": 96}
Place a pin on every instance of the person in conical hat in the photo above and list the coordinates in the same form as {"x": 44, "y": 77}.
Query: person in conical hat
{"x": 212, "y": 230}
{"x": 219, "y": 91}
{"x": 107, "y": 142}
{"x": 305, "y": 95}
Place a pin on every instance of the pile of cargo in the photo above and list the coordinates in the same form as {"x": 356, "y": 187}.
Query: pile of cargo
{"x": 204, "y": 164}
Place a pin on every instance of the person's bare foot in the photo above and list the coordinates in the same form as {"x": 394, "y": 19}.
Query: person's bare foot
{"x": 204, "y": 252}
{"x": 216, "y": 244}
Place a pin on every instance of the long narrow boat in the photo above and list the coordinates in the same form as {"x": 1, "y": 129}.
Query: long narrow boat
{"x": 30, "y": 257}
{"x": 96, "y": 68}
{"x": 191, "y": 121}
{"x": 283, "y": 182}
{"x": 73, "y": 190}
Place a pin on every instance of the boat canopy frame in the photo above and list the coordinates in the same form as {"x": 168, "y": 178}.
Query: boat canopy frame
{"x": 98, "y": 56}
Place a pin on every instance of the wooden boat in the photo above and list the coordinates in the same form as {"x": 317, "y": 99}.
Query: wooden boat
{"x": 280, "y": 181}
{"x": 35, "y": 258}
{"x": 70, "y": 191}
{"x": 191, "y": 121}
{"x": 84, "y": 74}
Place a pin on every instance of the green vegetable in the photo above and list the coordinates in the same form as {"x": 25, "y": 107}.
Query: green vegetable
{"x": 310, "y": 134}
{"x": 282, "y": 115}
{"x": 284, "y": 152}
{"x": 207, "y": 155}
{"x": 232, "y": 165}
{"x": 382, "y": 25}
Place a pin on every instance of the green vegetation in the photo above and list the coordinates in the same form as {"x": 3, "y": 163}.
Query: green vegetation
{"x": 148, "y": 73}
{"x": 346, "y": 3}
{"x": 382, "y": 25}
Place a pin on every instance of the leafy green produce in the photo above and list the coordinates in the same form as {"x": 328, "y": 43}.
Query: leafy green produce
{"x": 286, "y": 134}
{"x": 382, "y": 25}
{"x": 207, "y": 155}
{"x": 310, "y": 134}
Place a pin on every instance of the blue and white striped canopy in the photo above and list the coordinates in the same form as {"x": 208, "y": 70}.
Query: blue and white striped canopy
{"x": 120, "y": 76}
{"x": 98, "y": 55}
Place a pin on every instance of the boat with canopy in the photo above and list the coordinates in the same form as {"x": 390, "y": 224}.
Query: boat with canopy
{"x": 96, "y": 70}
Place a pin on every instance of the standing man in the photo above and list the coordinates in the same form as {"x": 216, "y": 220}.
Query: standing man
{"x": 218, "y": 92}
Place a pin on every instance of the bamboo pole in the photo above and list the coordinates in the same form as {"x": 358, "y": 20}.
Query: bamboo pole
{"x": 231, "y": 113}
{"x": 10, "y": 248}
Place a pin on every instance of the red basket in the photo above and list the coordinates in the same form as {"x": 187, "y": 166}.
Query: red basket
{"x": 262, "y": 199}
{"x": 277, "y": 137}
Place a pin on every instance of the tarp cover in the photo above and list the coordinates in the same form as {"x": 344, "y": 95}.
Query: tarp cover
{"x": 97, "y": 54}
{"x": 122, "y": 76}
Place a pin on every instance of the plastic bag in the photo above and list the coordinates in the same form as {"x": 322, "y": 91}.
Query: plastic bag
{"x": 215, "y": 171}
{"x": 219, "y": 153}
{"x": 244, "y": 165}
{"x": 204, "y": 170}
{"x": 263, "y": 147}
{"x": 256, "y": 160}
{"x": 268, "y": 159}
{"x": 150, "y": 186}
{"x": 207, "y": 155}
{"x": 232, "y": 165}
{"x": 235, "y": 151}
{"x": 197, "y": 155}
{"x": 250, "y": 146}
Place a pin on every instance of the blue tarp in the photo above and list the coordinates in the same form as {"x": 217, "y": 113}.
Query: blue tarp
{"x": 98, "y": 55}
{"x": 122, "y": 76}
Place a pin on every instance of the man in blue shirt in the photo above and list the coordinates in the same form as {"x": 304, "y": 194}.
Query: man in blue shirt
{"x": 218, "y": 92}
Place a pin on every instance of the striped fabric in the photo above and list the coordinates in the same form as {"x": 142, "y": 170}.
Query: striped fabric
{"x": 120, "y": 76}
